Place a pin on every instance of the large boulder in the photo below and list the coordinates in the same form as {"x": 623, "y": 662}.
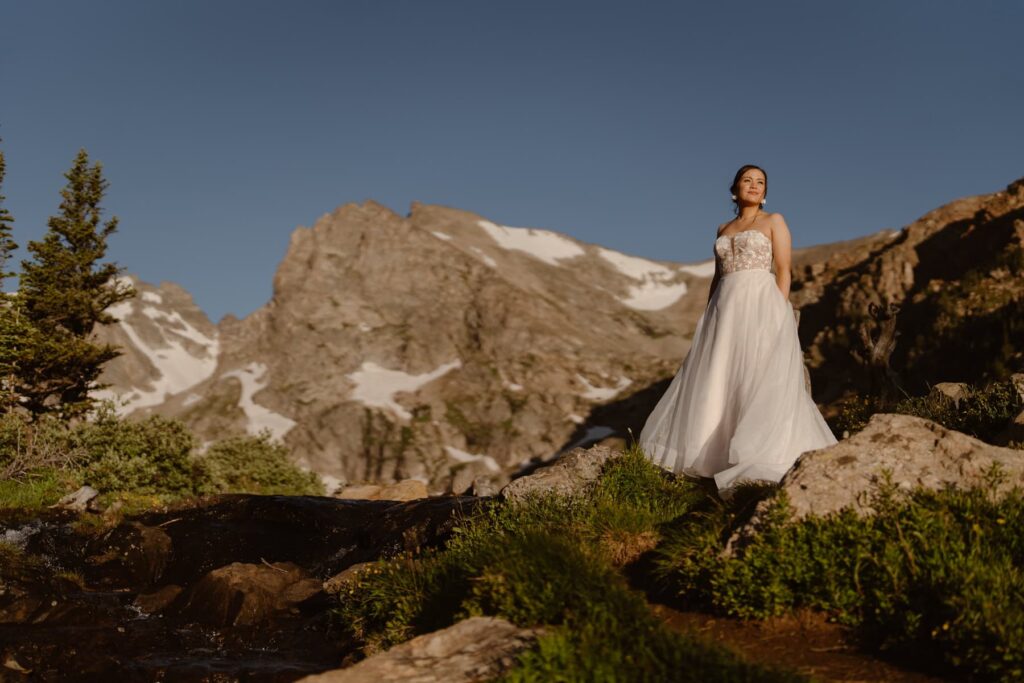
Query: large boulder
{"x": 475, "y": 649}
{"x": 131, "y": 555}
{"x": 917, "y": 452}
{"x": 248, "y": 594}
{"x": 570, "y": 475}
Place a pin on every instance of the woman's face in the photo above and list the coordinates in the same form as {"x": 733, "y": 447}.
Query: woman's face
{"x": 750, "y": 187}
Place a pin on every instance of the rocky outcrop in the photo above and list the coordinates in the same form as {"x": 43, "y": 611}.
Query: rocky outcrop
{"x": 570, "y": 475}
{"x": 914, "y": 451}
{"x": 475, "y": 649}
{"x": 957, "y": 277}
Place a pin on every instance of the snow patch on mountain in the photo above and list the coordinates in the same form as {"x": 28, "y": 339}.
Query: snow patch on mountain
{"x": 634, "y": 266}
{"x": 545, "y": 245}
{"x": 253, "y": 378}
{"x": 376, "y": 386}
{"x": 702, "y": 269}
{"x": 463, "y": 456}
{"x": 654, "y": 290}
{"x": 178, "y": 367}
{"x": 595, "y": 393}
{"x": 484, "y": 257}
{"x": 653, "y": 296}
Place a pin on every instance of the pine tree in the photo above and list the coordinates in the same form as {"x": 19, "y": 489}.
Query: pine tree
{"x": 64, "y": 294}
{"x": 7, "y": 245}
{"x": 11, "y": 322}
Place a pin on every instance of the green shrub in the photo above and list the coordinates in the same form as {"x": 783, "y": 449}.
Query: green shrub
{"x": 26, "y": 446}
{"x": 980, "y": 412}
{"x": 543, "y": 561}
{"x": 256, "y": 464}
{"x": 936, "y": 575}
{"x": 153, "y": 455}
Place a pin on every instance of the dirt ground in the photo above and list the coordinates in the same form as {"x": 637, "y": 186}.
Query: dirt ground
{"x": 805, "y": 642}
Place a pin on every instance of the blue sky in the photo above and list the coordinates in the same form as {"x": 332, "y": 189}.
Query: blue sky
{"x": 222, "y": 126}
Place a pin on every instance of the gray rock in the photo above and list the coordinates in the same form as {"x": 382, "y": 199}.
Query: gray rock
{"x": 918, "y": 452}
{"x": 464, "y": 474}
{"x": 572, "y": 474}
{"x": 915, "y": 451}
{"x": 407, "y": 489}
{"x": 488, "y": 485}
{"x": 360, "y": 492}
{"x": 475, "y": 649}
{"x": 158, "y": 600}
{"x": 78, "y": 500}
{"x": 951, "y": 390}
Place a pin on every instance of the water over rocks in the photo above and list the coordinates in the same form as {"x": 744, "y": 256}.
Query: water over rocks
{"x": 229, "y": 588}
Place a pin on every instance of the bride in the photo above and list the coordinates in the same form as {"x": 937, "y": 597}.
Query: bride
{"x": 738, "y": 408}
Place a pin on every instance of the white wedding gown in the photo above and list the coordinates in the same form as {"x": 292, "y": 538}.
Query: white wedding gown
{"x": 738, "y": 408}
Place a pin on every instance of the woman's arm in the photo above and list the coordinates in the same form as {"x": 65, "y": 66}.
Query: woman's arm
{"x": 782, "y": 249}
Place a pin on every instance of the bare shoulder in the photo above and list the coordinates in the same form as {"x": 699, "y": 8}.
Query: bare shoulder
{"x": 722, "y": 227}
{"x": 778, "y": 224}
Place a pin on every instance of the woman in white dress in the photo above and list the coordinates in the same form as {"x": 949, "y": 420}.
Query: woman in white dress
{"x": 738, "y": 408}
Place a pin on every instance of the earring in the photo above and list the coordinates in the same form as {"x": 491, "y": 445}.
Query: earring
{"x": 763, "y": 202}
{"x": 734, "y": 197}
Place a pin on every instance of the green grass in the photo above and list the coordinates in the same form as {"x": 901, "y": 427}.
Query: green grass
{"x": 935, "y": 575}
{"x": 982, "y": 412}
{"x": 549, "y": 561}
{"x": 37, "y": 488}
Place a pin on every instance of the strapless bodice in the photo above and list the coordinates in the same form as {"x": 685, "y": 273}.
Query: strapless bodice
{"x": 746, "y": 250}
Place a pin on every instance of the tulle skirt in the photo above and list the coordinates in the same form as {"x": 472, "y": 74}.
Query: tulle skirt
{"x": 738, "y": 408}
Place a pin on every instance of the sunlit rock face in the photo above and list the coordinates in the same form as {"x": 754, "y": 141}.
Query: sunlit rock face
{"x": 957, "y": 277}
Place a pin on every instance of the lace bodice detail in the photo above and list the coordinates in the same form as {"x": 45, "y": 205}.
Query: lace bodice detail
{"x": 746, "y": 250}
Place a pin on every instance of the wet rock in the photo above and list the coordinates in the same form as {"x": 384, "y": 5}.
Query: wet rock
{"x": 71, "y": 617}
{"x": 571, "y": 474}
{"x": 475, "y": 649}
{"x": 129, "y": 555}
{"x": 18, "y": 608}
{"x": 158, "y": 600}
{"x": 247, "y": 594}
{"x": 78, "y": 500}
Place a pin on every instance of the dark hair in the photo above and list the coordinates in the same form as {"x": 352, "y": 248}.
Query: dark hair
{"x": 736, "y": 180}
